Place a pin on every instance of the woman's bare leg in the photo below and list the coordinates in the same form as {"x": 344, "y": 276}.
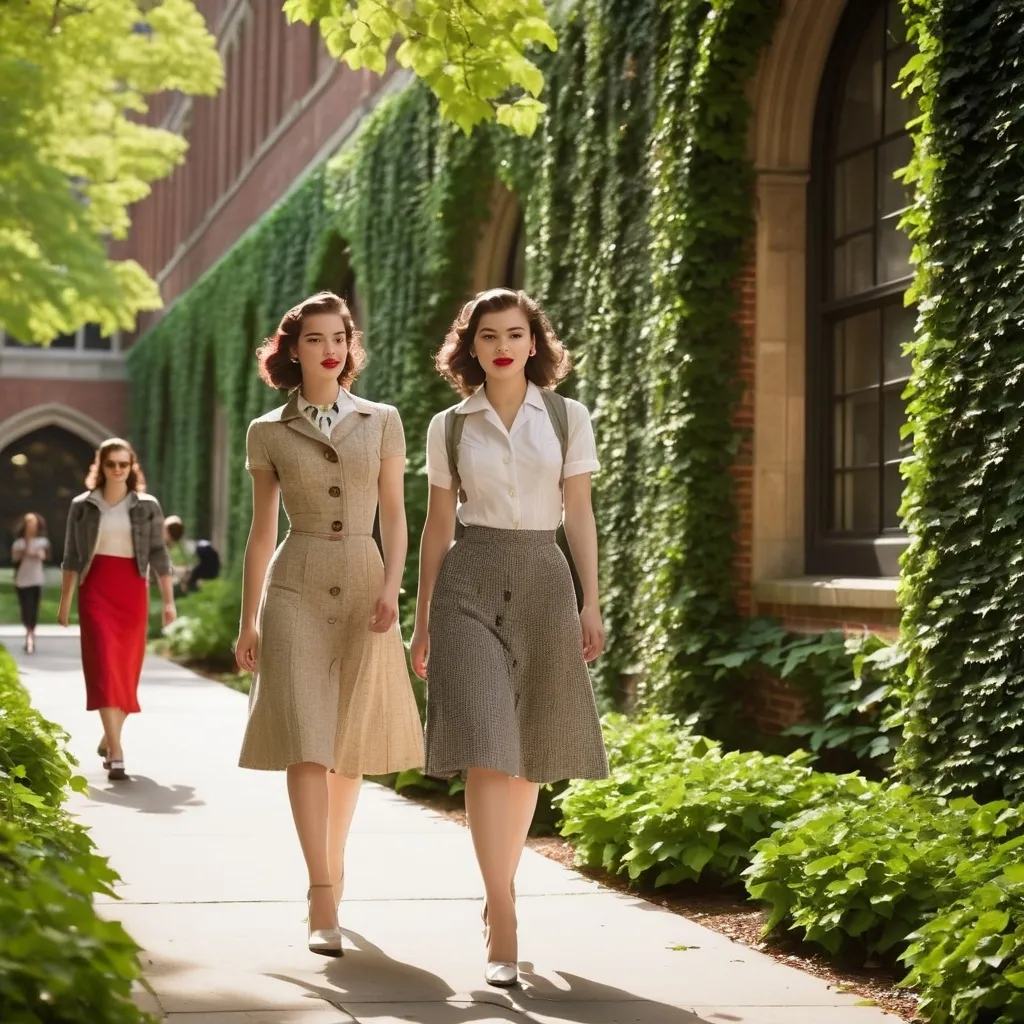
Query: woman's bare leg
{"x": 342, "y": 797}
{"x": 113, "y": 720}
{"x": 522, "y": 807}
{"x": 308, "y": 795}
{"x": 489, "y": 807}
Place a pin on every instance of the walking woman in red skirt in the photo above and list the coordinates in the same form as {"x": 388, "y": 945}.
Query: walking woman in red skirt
{"x": 114, "y": 535}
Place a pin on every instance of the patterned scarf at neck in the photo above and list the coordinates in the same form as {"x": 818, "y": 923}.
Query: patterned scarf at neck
{"x": 324, "y": 417}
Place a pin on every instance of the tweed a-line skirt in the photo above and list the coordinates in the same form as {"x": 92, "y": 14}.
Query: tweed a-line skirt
{"x": 507, "y": 686}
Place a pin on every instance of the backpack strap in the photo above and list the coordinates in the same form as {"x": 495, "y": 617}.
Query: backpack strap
{"x": 558, "y": 413}
{"x": 454, "y": 424}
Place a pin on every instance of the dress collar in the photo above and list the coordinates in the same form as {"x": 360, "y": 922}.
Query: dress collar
{"x": 343, "y": 399}
{"x": 478, "y": 402}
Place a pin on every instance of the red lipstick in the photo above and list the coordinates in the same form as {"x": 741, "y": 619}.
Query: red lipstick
{"x": 503, "y": 361}
{"x": 329, "y": 364}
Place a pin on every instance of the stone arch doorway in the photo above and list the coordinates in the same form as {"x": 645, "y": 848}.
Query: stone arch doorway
{"x": 41, "y": 471}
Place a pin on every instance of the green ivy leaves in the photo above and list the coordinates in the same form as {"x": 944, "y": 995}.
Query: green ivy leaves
{"x": 963, "y": 581}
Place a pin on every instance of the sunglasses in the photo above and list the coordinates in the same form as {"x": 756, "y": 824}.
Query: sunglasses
{"x": 116, "y": 464}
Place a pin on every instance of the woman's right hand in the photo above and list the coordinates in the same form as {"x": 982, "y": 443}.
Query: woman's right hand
{"x": 64, "y": 614}
{"x": 419, "y": 652}
{"x": 247, "y": 648}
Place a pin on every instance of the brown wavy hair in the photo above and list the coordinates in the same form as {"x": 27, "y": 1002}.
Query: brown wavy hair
{"x": 19, "y": 529}
{"x": 97, "y": 478}
{"x": 455, "y": 362}
{"x": 274, "y": 355}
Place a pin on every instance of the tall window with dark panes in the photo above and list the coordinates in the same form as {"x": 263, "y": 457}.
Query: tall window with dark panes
{"x": 858, "y": 272}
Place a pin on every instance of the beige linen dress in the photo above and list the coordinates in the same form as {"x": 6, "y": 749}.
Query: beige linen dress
{"x": 327, "y": 689}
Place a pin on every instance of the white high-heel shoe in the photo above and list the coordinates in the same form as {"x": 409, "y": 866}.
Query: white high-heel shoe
{"x": 501, "y": 973}
{"x": 325, "y": 941}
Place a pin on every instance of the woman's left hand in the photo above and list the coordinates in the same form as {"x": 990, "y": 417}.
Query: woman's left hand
{"x": 385, "y": 612}
{"x": 170, "y": 613}
{"x": 593, "y": 632}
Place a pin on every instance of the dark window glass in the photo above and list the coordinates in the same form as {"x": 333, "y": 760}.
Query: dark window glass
{"x": 95, "y": 339}
{"x": 858, "y": 369}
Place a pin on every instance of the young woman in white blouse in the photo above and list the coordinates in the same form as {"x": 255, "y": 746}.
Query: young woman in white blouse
{"x": 28, "y": 553}
{"x": 115, "y": 533}
{"x": 498, "y": 634}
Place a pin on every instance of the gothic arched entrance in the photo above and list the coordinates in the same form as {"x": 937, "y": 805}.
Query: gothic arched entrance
{"x": 41, "y": 471}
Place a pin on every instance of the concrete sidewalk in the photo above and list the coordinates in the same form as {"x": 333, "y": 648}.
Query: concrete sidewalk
{"x": 214, "y": 891}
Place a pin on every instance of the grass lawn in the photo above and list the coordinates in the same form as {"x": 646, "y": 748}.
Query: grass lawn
{"x": 10, "y": 616}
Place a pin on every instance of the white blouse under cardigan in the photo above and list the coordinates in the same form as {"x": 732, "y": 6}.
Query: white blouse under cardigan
{"x": 511, "y": 477}
{"x": 115, "y": 536}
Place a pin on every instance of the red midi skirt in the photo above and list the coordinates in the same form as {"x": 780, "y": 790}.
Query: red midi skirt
{"x": 113, "y": 612}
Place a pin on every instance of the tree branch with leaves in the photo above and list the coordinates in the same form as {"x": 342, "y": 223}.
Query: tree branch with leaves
{"x": 472, "y": 55}
{"x": 77, "y": 153}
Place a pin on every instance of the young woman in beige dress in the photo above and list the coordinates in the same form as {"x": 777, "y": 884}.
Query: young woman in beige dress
{"x": 330, "y": 699}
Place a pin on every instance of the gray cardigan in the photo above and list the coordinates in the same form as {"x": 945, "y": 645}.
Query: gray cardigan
{"x": 147, "y": 519}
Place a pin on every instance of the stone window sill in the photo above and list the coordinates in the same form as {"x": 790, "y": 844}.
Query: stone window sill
{"x": 829, "y": 592}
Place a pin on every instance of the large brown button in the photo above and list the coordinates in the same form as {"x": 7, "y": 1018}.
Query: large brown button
{"x": 330, "y": 455}
{"x": 335, "y": 591}
{"x": 336, "y": 526}
{"x": 334, "y": 492}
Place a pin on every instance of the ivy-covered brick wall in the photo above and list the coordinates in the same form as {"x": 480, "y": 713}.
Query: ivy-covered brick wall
{"x": 963, "y": 578}
{"x": 638, "y": 202}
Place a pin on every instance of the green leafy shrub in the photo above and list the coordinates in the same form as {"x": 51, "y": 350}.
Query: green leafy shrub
{"x": 967, "y": 962}
{"x": 855, "y": 707}
{"x": 33, "y": 758}
{"x": 676, "y": 807}
{"x": 207, "y": 624}
{"x": 853, "y": 686}
{"x": 60, "y": 963}
{"x": 874, "y": 870}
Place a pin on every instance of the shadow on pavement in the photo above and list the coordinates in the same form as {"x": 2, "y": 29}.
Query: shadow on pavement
{"x": 575, "y": 999}
{"x": 147, "y": 796}
{"x": 568, "y": 1000}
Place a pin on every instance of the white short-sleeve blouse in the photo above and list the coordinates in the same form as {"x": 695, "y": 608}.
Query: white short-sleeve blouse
{"x": 511, "y": 477}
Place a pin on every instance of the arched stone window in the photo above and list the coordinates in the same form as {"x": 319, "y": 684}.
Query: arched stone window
{"x": 41, "y": 472}
{"x": 858, "y": 271}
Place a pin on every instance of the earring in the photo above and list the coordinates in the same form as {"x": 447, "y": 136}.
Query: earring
{"x": 292, "y": 359}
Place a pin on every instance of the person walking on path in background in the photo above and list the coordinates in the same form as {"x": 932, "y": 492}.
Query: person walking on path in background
{"x": 331, "y": 699}
{"x": 29, "y": 551}
{"x": 115, "y": 532}
{"x": 498, "y": 638}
